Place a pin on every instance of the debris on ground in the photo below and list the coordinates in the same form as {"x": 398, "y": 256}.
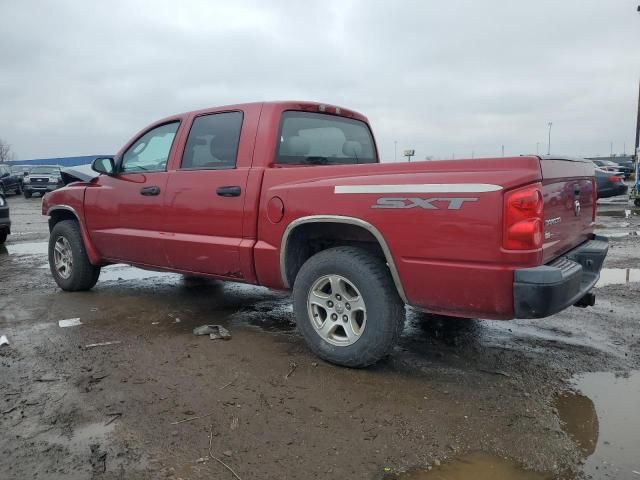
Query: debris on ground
{"x": 215, "y": 332}
{"x": 292, "y": 368}
{"x": 4, "y": 340}
{"x": 114, "y": 416}
{"x": 98, "y": 459}
{"x": 69, "y": 322}
{"x": 192, "y": 418}
{"x": 102, "y": 344}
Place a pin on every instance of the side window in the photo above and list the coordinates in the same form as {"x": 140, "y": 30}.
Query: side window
{"x": 151, "y": 151}
{"x": 213, "y": 142}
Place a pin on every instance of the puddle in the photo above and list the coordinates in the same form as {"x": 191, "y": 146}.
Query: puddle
{"x": 127, "y": 272}
{"x": 616, "y": 276}
{"x": 271, "y": 316}
{"x": 28, "y": 248}
{"x": 476, "y": 466}
{"x": 602, "y": 418}
{"x": 619, "y": 213}
{"x": 614, "y": 234}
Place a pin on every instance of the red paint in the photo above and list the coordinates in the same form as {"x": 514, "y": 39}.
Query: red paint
{"x": 449, "y": 261}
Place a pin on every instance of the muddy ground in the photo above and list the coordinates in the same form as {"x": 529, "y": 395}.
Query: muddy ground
{"x": 161, "y": 403}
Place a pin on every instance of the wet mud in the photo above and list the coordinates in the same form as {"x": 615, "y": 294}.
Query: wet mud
{"x": 551, "y": 398}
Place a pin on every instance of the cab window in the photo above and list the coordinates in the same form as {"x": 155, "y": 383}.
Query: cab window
{"x": 151, "y": 151}
{"x": 321, "y": 139}
{"x": 213, "y": 142}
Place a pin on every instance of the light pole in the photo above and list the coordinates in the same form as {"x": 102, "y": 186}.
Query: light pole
{"x": 549, "y": 144}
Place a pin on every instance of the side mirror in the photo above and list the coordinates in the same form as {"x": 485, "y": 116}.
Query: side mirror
{"x": 104, "y": 165}
{"x": 5, "y": 174}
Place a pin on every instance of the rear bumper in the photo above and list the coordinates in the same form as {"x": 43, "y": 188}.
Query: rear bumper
{"x": 542, "y": 291}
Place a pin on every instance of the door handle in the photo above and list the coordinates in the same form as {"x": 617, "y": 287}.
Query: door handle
{"x": 229, "y": 191}
{"x": 150, "y": 191}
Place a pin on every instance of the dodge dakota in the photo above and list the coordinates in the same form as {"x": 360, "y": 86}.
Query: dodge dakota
{"x": 292, "y": 195}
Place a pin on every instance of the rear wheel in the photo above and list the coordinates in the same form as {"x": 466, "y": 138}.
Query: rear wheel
{"x": 68, "y": 260}
{"x": 347, "y": 306}
{"x": 636, "y": 202}
{"x": 18, "y": 189}
{"x": 3, "y": 236}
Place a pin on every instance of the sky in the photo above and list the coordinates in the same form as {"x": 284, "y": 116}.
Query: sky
{"x": 450, "y": 79}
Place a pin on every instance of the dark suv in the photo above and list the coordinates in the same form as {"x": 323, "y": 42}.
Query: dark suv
{"x": 9, "y": 181}
{"x": 42, "y": 179}
{"x": 5, "y": 222}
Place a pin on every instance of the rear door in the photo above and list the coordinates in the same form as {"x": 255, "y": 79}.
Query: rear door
{"x": 205, "y": 197}
{"x": 568, "y": 189}
{"x": 125, "y": 212}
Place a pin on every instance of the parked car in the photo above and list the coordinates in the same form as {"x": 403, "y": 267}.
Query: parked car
{"x": 624, "y": 162}
{"x": 609, "y": 185}
{"x": 291, "y": 195}
{"x": 42, "y": 179}
{"x": 5, "y": 221}
{"x": 613, "y": 167}
{"x": 9, "y": 181}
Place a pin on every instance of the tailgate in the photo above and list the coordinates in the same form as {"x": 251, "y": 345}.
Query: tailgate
{"x": 568, "y": 189}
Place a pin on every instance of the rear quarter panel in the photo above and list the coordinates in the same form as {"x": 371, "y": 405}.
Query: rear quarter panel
{"x": 449, "y": 260}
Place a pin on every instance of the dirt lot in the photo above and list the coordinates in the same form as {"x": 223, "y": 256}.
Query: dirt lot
{"x": 456, "y": 396}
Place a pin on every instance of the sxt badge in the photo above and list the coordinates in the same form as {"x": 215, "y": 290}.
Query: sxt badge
{"x": 437, "y": 203}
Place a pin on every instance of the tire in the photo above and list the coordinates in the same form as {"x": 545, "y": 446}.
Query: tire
{"x": 18, "y": 189}
{"x": 78, "y": 273}
{"x": 3, "y": 236}
{"x": 354, "y": 337}
{"x": 636, "y": 202}
{"x": 27, "y": 194}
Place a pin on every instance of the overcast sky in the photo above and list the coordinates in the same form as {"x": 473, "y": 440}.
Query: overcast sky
{"x": 443, "y": 77}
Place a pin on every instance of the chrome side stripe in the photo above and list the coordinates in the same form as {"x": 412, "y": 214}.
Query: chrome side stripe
{"x": 420, "y": 188}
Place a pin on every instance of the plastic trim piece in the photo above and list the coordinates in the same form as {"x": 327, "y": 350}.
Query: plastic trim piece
{"x": 340, "y": 219}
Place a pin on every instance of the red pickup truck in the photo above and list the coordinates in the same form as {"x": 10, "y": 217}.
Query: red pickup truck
{"x": 292, "y": 195}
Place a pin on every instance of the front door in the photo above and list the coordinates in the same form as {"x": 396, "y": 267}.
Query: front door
{"x": 125, "y": 212}
{"x": 205, "y": 199}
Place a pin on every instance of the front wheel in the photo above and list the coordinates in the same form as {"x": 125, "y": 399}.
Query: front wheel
{"x": 3, "y": 236}
{"x": 68, "y": 260}
{"x": 27, "y": 194}
{"x": 347, "y": 306}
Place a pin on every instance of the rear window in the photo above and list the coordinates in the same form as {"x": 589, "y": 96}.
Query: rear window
{"x": 320, "y": 139}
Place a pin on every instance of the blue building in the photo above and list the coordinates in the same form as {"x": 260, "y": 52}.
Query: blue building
{"x": 62, "y": 161}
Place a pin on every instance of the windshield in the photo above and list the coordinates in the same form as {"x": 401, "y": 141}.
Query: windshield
{"x": 45, "y": 170}
{"x": 320, "y": 139}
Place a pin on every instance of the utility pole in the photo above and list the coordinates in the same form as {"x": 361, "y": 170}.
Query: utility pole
{"x": 611, "y": 149}
{"x": 636, "y": 151}
{"x": 395, "y": 150}
{"x": 503, "y": 150}
{"x": 549, "y": 143}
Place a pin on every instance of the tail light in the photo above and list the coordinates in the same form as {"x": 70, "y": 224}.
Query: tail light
{"x": 614, "y": 179}
{"x": 523, "y": 218}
